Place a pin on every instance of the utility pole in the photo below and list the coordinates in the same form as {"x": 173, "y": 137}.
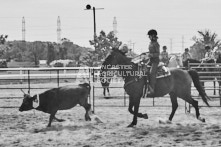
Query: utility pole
{"x": 171, "y": 45}
{"x": 88, "y": 7}
{"x": 133, "y": 44}
{"x": 182, "y": 43}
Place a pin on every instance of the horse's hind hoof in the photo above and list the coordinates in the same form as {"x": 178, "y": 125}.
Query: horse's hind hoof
{"x": 202, "y": 119}
{"x": 61, "y": 120}
{"x": 130, "y": 126}
{"x": 145, "y": 116}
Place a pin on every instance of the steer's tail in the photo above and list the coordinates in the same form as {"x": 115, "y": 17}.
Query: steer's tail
{"x": 87, "y": 85}
{"x": 195, "y": 77}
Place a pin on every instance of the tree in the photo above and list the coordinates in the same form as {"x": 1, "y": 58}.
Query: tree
{"x": 3, "y": 39}
{"x": 51, "y": 54}
{"x": 3, "y": 46}
{"x": 36, "y": 51}
{"x": 90, "y": 59}
{"x": 207, "y": 38}
{"x": 103, "y": 43}
{"x": 65, "y": 45}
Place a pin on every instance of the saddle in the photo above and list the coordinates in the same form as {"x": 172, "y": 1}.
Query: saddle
{"x": 162, "y": 70}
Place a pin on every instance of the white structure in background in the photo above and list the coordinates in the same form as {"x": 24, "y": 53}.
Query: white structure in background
{"x": 115, "y": 27}
{"x": 58, "y": 30}
{"x": 64, "y": 62}
{"x": 43, "y": 63}
{"x": 23, "y": 28}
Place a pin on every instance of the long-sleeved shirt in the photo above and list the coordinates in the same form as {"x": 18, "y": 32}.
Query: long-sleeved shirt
{"x": 185, "y": 56}
{"x": 164, "y": 56}
{"x": 209, "y": 55}
{"x": 154, "y": 51}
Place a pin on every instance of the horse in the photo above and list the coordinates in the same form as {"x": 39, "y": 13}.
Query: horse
{"x": 178, "y": 84}
{"x": 175, "y": 61}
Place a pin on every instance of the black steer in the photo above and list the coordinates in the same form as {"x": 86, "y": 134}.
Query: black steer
{"x": 61, "y": 98}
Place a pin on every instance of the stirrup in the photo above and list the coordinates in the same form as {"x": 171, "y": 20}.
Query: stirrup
{"x": 150, "y": 92}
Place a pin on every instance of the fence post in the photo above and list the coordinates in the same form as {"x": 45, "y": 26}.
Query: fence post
{"x": 93, "y": 90}
{"x": 153, "y": 101}
{"x": 58, "y": 77}
{"x": 124, "y": 98}
{"x": 89, "y": 81}
{"x": 29, "y": 83}
{"x": 21, "y": 77}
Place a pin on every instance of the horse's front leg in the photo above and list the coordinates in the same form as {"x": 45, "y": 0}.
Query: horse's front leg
{"x": 136, "y": 104}
{"x": 130, "y": 109}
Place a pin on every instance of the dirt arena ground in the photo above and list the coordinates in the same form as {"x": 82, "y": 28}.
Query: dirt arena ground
{"x": 26, "y": 129}
{"x": 29, "y": 128}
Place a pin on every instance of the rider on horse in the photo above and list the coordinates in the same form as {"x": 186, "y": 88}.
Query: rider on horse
{"x": 124, "y": 49}
{"x": 154, "y": 53}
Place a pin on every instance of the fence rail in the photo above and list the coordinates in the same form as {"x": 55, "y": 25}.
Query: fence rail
{"x": 12, "y": 79}
{"x": 209, "y": 72}
{"x": 34, "y": 80}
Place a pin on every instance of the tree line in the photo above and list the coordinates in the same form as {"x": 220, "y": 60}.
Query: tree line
{"x": 23, "y": 51}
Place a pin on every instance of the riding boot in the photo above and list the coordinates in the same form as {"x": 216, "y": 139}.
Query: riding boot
{"x": 153, "y": 72}
{"x": 150, "y": 93}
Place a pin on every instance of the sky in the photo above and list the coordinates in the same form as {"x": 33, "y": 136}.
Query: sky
{"x": 176, "y": 21}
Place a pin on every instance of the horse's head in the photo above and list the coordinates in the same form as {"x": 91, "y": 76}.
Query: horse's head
{"x": 179, "y": 60}
{"x": 115, "y": 57}
{"x": 175, "y": 61}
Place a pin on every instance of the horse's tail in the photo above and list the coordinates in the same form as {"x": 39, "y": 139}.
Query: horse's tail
{"x": 195, "y": 77}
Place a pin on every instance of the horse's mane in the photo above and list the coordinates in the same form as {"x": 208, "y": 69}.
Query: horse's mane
{"x": 134, "y": 65}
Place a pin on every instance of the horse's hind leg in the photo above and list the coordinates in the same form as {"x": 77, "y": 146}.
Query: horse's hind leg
{"x": 173, "y": 99}
{"x": 194, "y": 103}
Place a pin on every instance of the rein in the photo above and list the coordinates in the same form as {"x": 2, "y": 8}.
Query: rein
{"x": 130, "y": 82}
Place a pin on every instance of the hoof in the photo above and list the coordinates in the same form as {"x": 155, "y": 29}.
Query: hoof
{"x": 145, "y": 116}
{"x": 202, "y": 119}
{"x": 165, "y": 122}
{"x": 88, "y": 119}
{"x": 130, "y": 126}
{"x": 61, "y": 120}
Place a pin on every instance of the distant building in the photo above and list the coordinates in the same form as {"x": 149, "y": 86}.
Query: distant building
{"x": 43, "y": 63}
